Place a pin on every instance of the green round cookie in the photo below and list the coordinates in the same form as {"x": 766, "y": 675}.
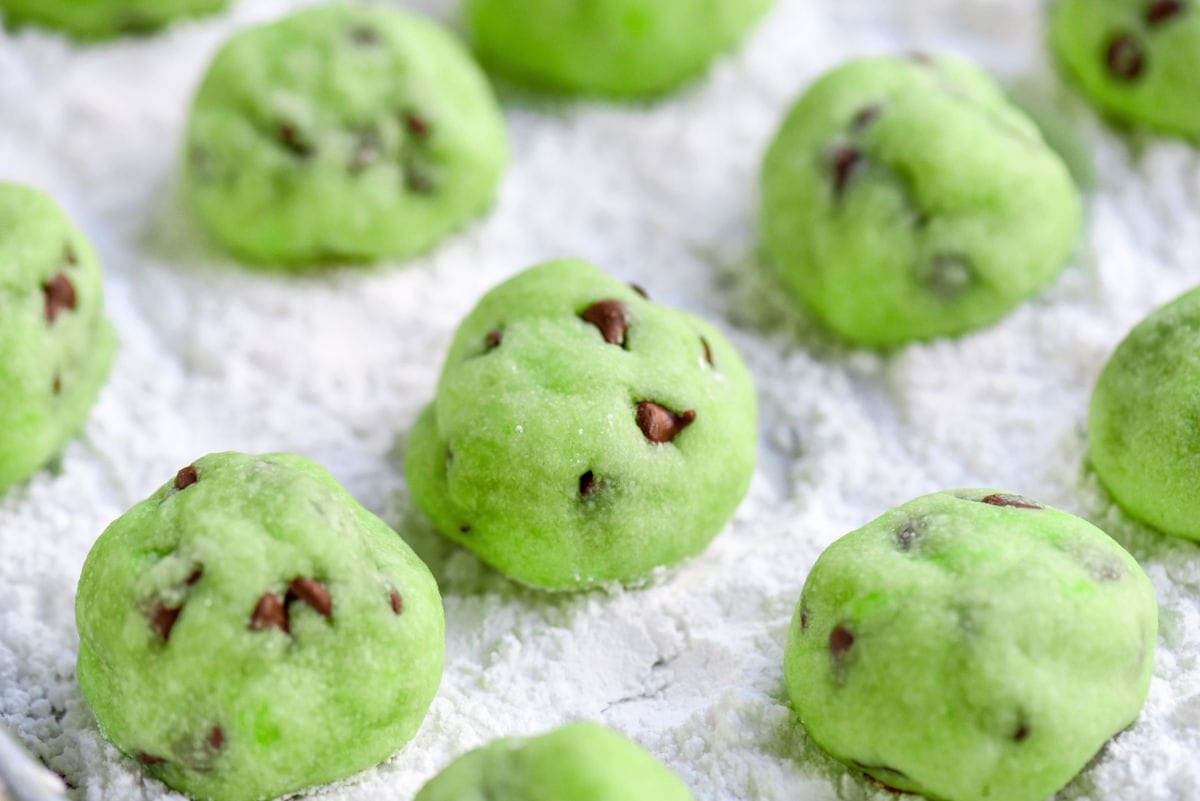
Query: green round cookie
{"x": 1135, "y": 59}
{"x": 583, "y": 435}
{"x": 56, "y": 346}
{"x": 906, "y": 198}
{"x": 971, "y": 645}
{"x": 103, "y": 19}
{"x": 342, "y": 133}
{"x": 1143, "y": 418}
{"x": 621, "y": 48}
{"x": 580, "y": 762}
{"x": 249, "y": 631}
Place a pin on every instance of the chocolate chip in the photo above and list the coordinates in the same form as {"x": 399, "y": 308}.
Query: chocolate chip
{"x": 418, "y": 179}
{"x": 840, "y": 640}
{"x": 1015, "y": 501}
{"x": 269, "y": 613}
{"x": 492, "y": 340}
{"x": 368, "y": 149}
{"x": 843, "y": 162}
{"x": 69, "y": 254}
{"x": 364, "y": 35}
{"x": 150, "y": 759}
{"x": 1161, "y": 11}
{"x": 162, "y": 619}
{"x": 949, "y": 275}
{"x": 464, "y": 529}
{"x": 636, "y": 288}
{"x": 186, "y": 477}
{"x": 1124, "y": 57}
{"x": 1022, "y": 732}
{"x": 291, "y": 140}
{"x": 417, "y": 126}
{"x": 57, "y": 384}
{"x": 803, "y": 620}
{"x": 609, "y": 317}
{"x": 313, "y": 593}
{"x": 865, "y": 116}
{"x": 216, "y": 738}
{"x": 587, "y": 482}
{"x": 397, "y": 602}
{"x": 60, "y": 294}
{"x": 659, "y": 424}
{"x": 707, "y": 351}
{"x": 194, "y": 576}
{"x": 906, "y": 536}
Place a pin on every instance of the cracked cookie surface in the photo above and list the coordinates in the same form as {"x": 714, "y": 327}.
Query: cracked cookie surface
{"x": 971, "y": 645}
{"x": 249, "y": 631}
{"x": 906, "y": 198}
{"x": 341, "y": 134}
{"x": 56, "y": 346}
{"x": 583, "y": 434}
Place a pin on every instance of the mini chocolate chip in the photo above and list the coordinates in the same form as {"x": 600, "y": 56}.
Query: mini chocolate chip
{"x": 313, "y": 593}
{"x": 609, "y": 317}
{"x": 1124, "y": 57}
{"x": 659, "y": 424}
{"x": 269, "y": 613}
{"x": 364, "y": 35}
{"x": 638, "y": 289}
{"x": 397, "y": 602}
{"x": 464, "y": 529}
{"x": 844, "y": 161}
{"x": 1022, "y": 732}
{"x": 1161, "y": 11}
{"x": 291, "y": 140}
{"x": 587, "y": 482}
{"x": 840, "y": 640}
{"x": 418, "y": 179}
{"x": 162, "y": 619}
{"x": 69, "y": 254}
{"x": 707, "y": 351}
{"x": 57, "y": 384}
{"x": 865, "y": 116}
{"x": 186, "y": 477}
{"x": 1007, "y": 499}
{"x": 417, "y": 126}
{"x": 803, "y": 620}
{"x": 368, "y": 149}
{"x": 216, "y": 737}
{"x": 949, "y": 275}
{"x": 60, "y": 294}
{"x": 150, "y": 759}
{"x": 492, "y": 340}
{"x": 194, "y": 576}
{"x": 906, "y": 535}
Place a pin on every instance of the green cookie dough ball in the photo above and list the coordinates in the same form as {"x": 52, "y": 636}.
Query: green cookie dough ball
{"x": 621, "y": 48}
{"x": 1135, "y": 59}
{"x": 56, "y": 346}
{"x": 583, "y": 435}
{"x": 250, "y": 631}
{"x": 342, "y": 133}
{"x": 103, "y": 19}
{"x": 580, "y": 762}
{"x": 1143, "y": 417}
{"x": 906, "y": 198}
{"x": 971, "y": 646}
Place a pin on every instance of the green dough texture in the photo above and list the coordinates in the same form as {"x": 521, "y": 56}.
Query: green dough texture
{"x": 971, "y": 645}
{"x": 1142, "y": 424}
{"x": 533, "y": 454}
{"x": 104, "y": 19}
{"x": 249, "y": 631}
{"x": 56, "y": 346}
{"x": 342, "y": 133}
{"x": 580, "y": 762}
{"x": 906, "y": 199}
{"x": 1137, "y": 60}
{"x": 619, "y": 48}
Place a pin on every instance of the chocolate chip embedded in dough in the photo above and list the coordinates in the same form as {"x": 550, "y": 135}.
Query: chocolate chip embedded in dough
{"x": 609, "y": 317}
{"x": 397, "y": 601}
{"x": 269, "y": 613}
{"x": 1125, "y": 58}
{"x": 1161, "y": 11}
{"x": 1008, "y": 499}
{"x": 659, "y": 424}
{"x": 844, "y": 161}
{"x": 313, "y": 593}
{"x": 587, "y": 482}
{"x": 840, "y": 641}
{"x": 60, "y": 294}
{"x": 162, "y": 618}
{"x": 186, "y": 478}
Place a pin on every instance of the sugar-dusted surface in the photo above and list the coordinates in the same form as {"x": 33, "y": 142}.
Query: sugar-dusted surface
{"x": 336, "y": 366}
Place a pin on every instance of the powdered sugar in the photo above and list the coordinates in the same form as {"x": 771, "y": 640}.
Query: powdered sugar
{"x": 336, "y": 366}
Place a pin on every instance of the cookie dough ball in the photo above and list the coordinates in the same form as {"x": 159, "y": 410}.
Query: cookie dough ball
{"x": 971, "y": 645}
{"x": 582, "y": 434}
{"x": 342, "y": 133}
{"x": 250, "y": 631}
{"x": 1135, "y": 59}
{"x": 906, "y": 198}
{"x": 580, "y": 762}
{"x": 103, "y": 19}
{"x": 1142, "y": 421}
{"x": 607, "y": 47}
{"x": 56, "y": 346}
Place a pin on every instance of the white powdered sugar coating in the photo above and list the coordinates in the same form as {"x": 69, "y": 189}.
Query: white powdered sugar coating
{"x": 336, "y": 366}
